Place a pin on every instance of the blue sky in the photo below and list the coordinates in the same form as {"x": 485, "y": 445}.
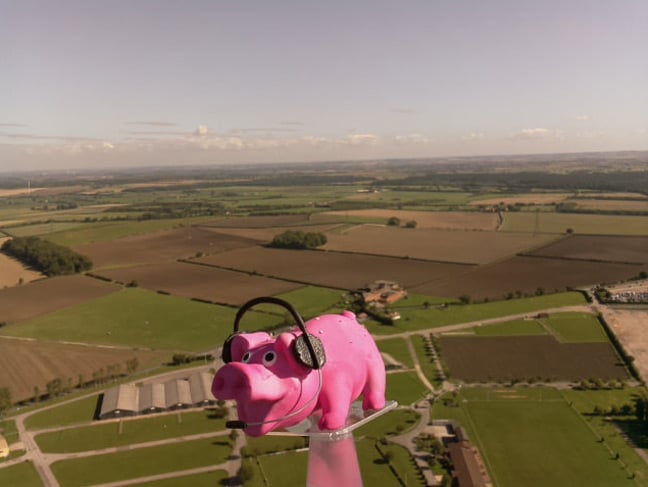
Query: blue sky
{"x": 119, "y": 83}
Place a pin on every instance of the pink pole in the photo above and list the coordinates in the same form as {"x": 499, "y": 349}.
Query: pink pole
{"x": 333, "y": 462}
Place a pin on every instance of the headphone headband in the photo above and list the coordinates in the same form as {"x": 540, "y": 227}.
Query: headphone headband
{"x": 317, "y": 363}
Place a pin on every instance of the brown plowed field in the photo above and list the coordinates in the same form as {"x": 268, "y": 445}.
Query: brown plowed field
{"x": 470, "y": 247}
{"x": 202, "y": 282}
{"x": 527, "y": 274}
{"x": 39, "y": 297}
{"x": 29, "y": 364}
{"x": 449, "y": 220}
{"x": 160, "y": 246}
{"x": 332, "y": 269}
{"x": 475, "y": 359}
{"x": 600, "y": 248}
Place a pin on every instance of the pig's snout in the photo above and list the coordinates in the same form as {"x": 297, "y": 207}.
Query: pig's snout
{"x": 241, "y": 381}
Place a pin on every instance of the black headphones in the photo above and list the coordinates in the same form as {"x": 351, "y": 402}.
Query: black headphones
{"x": 308, "y": 349}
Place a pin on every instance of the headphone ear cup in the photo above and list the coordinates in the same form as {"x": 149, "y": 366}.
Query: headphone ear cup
{"x": 226, "y": 354}
{"x": 303, "y": 355}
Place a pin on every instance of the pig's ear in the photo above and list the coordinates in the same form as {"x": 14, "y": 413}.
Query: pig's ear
{"x": 246, "y": 341}
{"x": 284, "y": 348}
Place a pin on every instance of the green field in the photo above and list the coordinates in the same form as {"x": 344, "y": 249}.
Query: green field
{"x": 405, "y": 388}
{"x": 375, "y": 469}
{"x": 209, "y": 479}
{"x": 264, "y": 445}
{"x": 391, "y": 423}
{"x": 79, "y": 411}
{"x": 40, "y": 229}
{"x": 101, "y": 231}
{"x": 398, "y": 349}
{"x": 22, "y": 475}
{"x": 289, "y": 468}
{"x": 532, "y": 437}
{"x": 141, "y": 462}
{"x": 420, "y": 301}
{"x": 311, "y": 301}
{"x": 549, "y": 222}
{"x": 576, "y": 328}
{"x": 9, "y": 431}
{"x": 428, "y": 367}
{"x": 128, "y": 432}
{"x": 139, "y": 318}
{"x": 511, "y": 328}
{"x": 418, "y": 319}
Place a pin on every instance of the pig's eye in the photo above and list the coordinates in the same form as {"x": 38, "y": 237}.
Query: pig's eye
{"x": 246, "y": 358}
{"x": 269, "y": 359}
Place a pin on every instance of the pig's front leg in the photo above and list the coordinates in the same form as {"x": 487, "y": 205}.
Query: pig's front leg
{"x": 335, "y": 401}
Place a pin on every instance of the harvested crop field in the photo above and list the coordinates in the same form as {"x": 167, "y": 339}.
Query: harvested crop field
{"x": 160, "y": 246}
{"x": 332, "y": 269}
{"x": 599, "y": 248}
{"x": 28, "y": 364}
{"x": 629, "y": 325}
{"x": 39, "y": 297}
{"x": 470, "y": 247}
{"x": 201, "y": 282}
{"x": 13, "y": 273}
{"x": 475, "y": 359}
{"x": 448, "y": 220}
{"x": 527, "y": 274}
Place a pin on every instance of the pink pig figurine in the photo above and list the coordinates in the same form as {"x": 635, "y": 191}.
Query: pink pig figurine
{"x": 273, "y": 389}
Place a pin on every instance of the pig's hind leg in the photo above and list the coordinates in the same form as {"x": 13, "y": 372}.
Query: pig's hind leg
{"x": 374, "y": 389}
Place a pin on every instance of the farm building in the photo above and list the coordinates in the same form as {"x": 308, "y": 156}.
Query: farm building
{"x": 382, "y": 293}
{"x": 157, "y": 397}
{"x": 177, "y": 394}
{"x": 200, "y": 385}
{"x": 120, "y": 401}
{"x": 152, "y": 399}
{"x": 466, "y": 469}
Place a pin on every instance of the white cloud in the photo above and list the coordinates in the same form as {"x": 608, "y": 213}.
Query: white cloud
{"x": 473, "y": 136}
{"x": 534, "y": 133}
{"x": 412, "y": 139}
{"x": 361, "y": 139}
{"x": 582, "y": 118}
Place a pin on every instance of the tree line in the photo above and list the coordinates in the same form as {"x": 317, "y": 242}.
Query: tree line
{"x": 44, "y": 256}
{"x": 296, "y": 239}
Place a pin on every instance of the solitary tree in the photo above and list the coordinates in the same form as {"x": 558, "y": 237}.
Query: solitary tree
{"x": 5, "y": 399}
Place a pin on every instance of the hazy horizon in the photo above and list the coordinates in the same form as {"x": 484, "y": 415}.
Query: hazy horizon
{"x": 122, "y": 84}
